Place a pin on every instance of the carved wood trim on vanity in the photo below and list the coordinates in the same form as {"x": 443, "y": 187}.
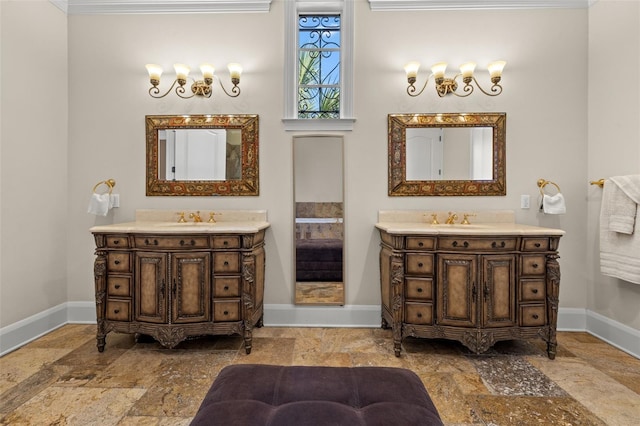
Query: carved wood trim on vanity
{"x": 477, "y": 289}
{"x": 176, "y": 297}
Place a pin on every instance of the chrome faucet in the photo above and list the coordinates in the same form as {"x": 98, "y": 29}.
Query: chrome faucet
{"x": 451, "y": 219}
{"x": 196, "y": 216}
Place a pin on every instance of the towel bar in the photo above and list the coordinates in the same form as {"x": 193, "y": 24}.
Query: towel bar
{"x": 109, "y": 182}
{"x": 599, "y": 182}
{"x": 543, "y": 182}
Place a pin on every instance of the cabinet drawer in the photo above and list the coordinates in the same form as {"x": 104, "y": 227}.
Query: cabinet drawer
{"x": 533, "y": 315}
{"x": 418, "y": 313}
{"x": 118, "y": 261}
{"x": 419, "y": 264}
{"x": 535, "y": 244}
{"x": 177, "y": 242}
{"x": 475, "y": 244}
{"x": 119, "y": 285}
{"x": 226, "y": 262}
{"x": 226, "y": 287}
{"x": 533, "y": 264}
{"x": 226, "y": 311}
{"x": 118, "y": 310}
{"x": 419, "y": 288}
{"x": 421, "y": 243}
{"x": 117, "y": 241}
{"x": 225, "y": 242}
{"x": 532, "y": 290}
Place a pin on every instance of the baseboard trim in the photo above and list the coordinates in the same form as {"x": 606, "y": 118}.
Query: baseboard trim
{"x": 24, "y": 331}
{"x": 619, "y": 335}
{"x": 348, "y": 316}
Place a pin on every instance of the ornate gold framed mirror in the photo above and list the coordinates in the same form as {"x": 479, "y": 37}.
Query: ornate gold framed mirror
{"x": 447, "y": 154}
{"x": 202, "y": 155}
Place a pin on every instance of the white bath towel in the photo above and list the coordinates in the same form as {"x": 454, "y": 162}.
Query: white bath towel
{"x": 553, "y": 204}
{"x": 99, "y": 204}
{"x": 619, "y": 228}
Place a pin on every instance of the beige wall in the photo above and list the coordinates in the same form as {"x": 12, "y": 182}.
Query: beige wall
{"x": 33, "y": 170}
{"x": 107, "y": 128}
{"x": 546, "y": 110}
{"x": 614, "y": 139}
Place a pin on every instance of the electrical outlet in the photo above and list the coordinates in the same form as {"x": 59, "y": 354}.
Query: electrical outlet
{"x": 524, "y": 201}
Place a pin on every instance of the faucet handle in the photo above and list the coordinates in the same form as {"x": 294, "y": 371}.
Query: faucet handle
{"x": 434, "y": 219}
{"x": 211, "y": 217}
{"x": 181, "y": 219}
{"x": 465, "y": 219}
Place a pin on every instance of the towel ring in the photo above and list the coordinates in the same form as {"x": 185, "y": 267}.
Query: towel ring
{"x": 109, "y": 182}
{"x": 542, "y": 183}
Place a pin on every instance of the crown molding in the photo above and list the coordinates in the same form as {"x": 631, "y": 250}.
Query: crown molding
{"x": 107, "y": 7}
{"x": 411, "y": 5}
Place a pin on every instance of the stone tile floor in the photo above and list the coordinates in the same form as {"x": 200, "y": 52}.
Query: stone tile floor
{"x": 61, "y": 378}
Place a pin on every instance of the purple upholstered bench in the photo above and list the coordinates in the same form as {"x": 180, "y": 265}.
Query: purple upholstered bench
{"x": 304, "y": 396}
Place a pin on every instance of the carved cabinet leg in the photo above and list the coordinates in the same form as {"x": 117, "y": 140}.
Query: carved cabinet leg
{"x": 101, "y": 339}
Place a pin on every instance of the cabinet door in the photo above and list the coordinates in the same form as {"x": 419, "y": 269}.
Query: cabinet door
{"x": 191, "y": 287}
{"x": 457, "y": 290}
{"x": 499, "y": 290}
{"x": 151, "y": 287}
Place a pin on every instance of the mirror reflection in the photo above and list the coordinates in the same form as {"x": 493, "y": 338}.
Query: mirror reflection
{"x": 199, "y": 154}
{"x": 447, "y": 154}
{"x": 202, "y": 154}
{"x": 319, "y": 220}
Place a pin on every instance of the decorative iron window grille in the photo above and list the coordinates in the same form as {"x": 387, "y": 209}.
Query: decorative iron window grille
{"x": 319, "y": 66}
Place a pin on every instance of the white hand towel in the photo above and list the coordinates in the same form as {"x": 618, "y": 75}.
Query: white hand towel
{"x": 99, "y": 204}
{"x": 625, "y": 199}
{"x": 554, "y": 204}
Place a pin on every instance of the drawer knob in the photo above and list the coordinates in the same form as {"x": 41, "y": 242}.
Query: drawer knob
{"x": 537, "y": 244}
{"x": 117, "y": 262}
{"x": 116, "y": 311}
{"x": 494, "y": 244}
{"x": 420, "y": 265}
{"x": 419, "y": 289}
{"x": 535, "y": 265}
{"x": 226, "y": 263}
{"x": 117, "y": 286}
{"x": 419, "y": 315}
{"x": 420, "y": 244}
{"x": 147, "y": 242}
{"x": 455, "y": 244}
{"x": 535, "y": 316}
{"x": 225, "y": 243}
{"x": 116, "y": 241}
{"x": 534, "y": 291}
{"x": 226, "y": 288}
{"x": 226, "y": 312}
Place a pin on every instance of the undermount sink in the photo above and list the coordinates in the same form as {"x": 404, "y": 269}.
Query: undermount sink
{"x": 168, "y": 224}
{"x": 460, "y": 226}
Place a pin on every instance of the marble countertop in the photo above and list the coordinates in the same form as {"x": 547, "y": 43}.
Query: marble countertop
{"x": 166, "y": 222}
{"x": 418, "y": 222}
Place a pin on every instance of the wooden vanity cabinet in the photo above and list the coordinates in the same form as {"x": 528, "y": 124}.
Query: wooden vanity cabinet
{"x": 474, "y": 289}
{"x": 173, "y": 287}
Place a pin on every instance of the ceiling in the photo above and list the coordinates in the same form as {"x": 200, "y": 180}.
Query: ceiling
{"x": 92, "y": 7}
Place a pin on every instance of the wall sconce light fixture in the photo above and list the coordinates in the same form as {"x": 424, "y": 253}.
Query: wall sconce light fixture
{"x": 198, "y": 87}
{"x": 445, "y": 85}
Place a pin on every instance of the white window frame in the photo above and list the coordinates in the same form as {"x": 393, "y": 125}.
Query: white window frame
{"x": 293, "y": 9}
